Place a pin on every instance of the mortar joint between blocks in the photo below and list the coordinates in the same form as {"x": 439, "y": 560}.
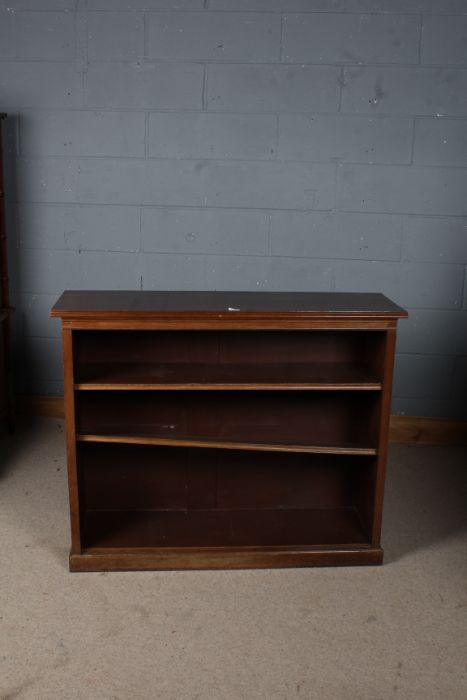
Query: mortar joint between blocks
{"x": 420, "y": 39}
{"x": 204, "y": 88}
{"x": 281, "y": 40}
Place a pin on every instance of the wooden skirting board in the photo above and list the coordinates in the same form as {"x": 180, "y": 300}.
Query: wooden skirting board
{"x": 417, "y": 430}
{"x": 421, "y": 430}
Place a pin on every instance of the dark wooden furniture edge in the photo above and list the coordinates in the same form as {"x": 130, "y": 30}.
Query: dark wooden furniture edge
{"x": 184, "y": 306}
{"x": 157, "y": 559}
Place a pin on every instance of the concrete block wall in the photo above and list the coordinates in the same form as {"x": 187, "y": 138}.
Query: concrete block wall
{"x": 242, "y": 144}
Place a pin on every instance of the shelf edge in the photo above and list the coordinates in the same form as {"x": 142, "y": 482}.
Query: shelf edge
{"x": 112, "y": 386}
{"x": 225, "y": 445}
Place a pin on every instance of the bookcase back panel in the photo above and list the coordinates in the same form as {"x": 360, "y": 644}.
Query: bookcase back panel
{"x": 165, "y": 496}
{"x": 138, "y": 477}
{"x": 140, "y": 348}
{"x": 223, "y": 529}
{"x": 340, "y": 418}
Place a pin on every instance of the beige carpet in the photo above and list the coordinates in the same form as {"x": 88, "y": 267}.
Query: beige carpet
{"x": 396, "y": 631}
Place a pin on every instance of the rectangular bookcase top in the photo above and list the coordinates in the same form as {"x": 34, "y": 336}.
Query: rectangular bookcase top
{"x": 114, "y": 304}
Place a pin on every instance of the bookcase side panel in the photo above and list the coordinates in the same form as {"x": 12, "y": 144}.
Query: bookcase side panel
{"x": 383, "y": 419}
{"x": 69, "y": 399}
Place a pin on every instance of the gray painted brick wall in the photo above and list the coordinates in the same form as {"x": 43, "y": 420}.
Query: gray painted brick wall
{"x": 241, "y": 144}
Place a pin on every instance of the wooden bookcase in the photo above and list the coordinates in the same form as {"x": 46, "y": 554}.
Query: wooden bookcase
{"x": 226, "y": 430}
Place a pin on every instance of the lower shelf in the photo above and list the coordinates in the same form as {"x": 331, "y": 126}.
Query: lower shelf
{"x": 153, "y": 507}
{"x": 224, "y": 528}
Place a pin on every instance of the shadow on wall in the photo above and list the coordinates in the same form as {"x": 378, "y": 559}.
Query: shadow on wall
{"x": 10, "y": 132}
{"x": 11, "y": 195}
{"x": 36, "y": 355}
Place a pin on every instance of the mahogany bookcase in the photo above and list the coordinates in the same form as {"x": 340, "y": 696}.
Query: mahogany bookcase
{"x": 226, "y": 430}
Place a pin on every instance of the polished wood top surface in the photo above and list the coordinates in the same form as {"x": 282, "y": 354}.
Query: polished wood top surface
{"x": 151, "y": 304}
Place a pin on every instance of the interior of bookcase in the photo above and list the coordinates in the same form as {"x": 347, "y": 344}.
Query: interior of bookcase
{"x": 146, "y": 496}
{"x": 227, "y": 439}
{"x": 204, "y": 357}
{"x": 327, "y": 419}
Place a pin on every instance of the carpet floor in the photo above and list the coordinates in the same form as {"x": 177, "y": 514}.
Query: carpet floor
{"x": 374, "y": 633}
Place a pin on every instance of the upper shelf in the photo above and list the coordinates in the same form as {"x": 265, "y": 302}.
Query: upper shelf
{"x": 330, "y": 376}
